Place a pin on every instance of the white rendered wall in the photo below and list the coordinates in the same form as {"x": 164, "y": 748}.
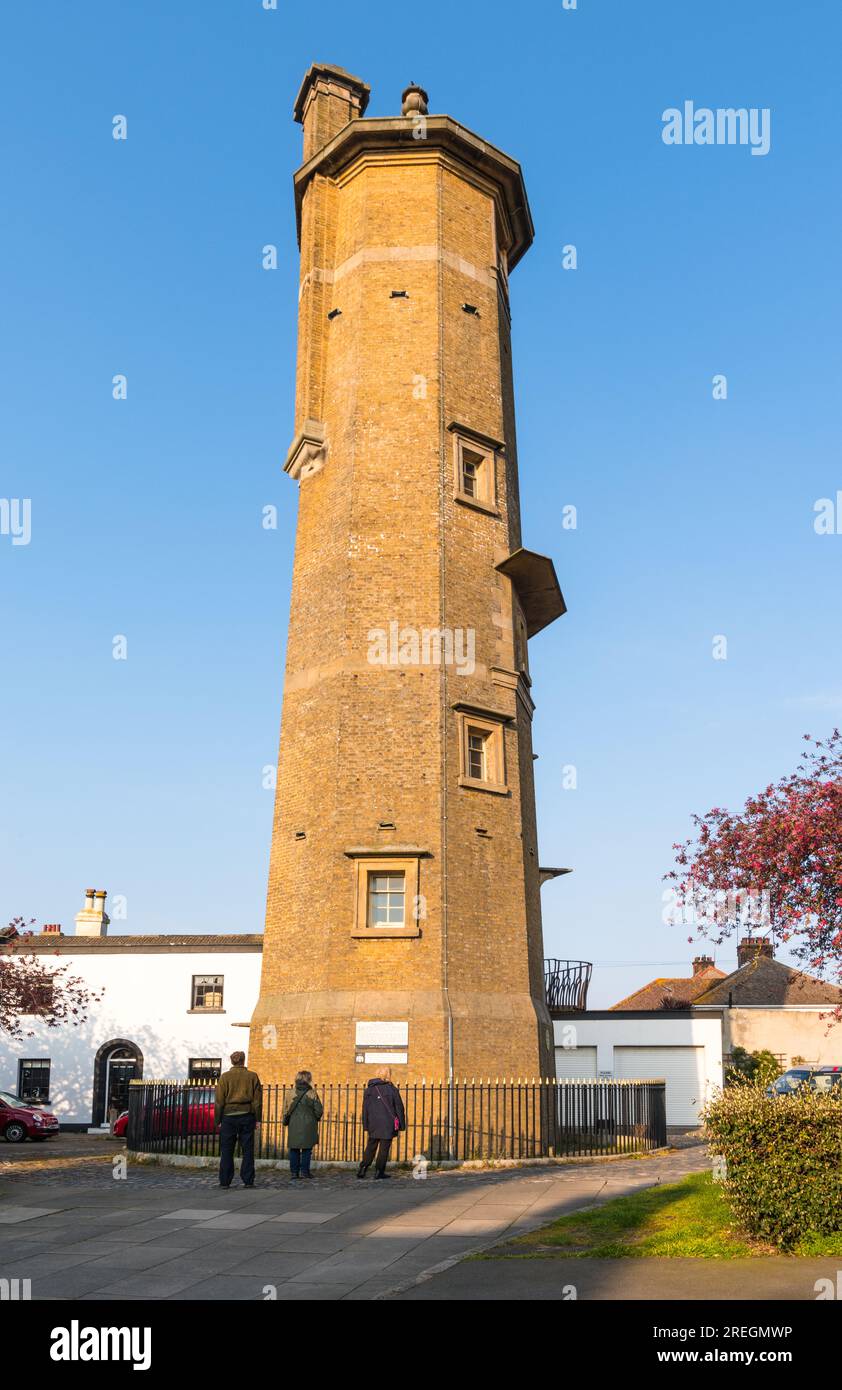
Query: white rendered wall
{"x": 658, "y": 1031}
{"x": 146, "y": 1001}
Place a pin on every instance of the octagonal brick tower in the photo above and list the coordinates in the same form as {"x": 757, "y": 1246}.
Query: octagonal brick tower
{"x": 403, "y": 920}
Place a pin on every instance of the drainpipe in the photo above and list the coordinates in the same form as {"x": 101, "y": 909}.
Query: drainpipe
{"x": 443, "y": 475}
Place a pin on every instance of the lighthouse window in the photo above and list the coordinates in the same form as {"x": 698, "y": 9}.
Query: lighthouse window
{"x": 386, "y": 893}
{"x": 475, "y": 475}
{"x": 471, "y": 465}
{"x": 483, "y": 759}
{"x": 477, "y": 765}
{"x": 386, "y": 900}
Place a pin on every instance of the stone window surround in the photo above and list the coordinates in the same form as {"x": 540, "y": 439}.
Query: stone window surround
{"x": 466, "y": 439}
{"x": 492, "y": 726}
{"x": 384, "y": 862}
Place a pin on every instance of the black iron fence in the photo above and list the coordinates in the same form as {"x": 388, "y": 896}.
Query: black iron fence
{"x": 462, "y": 1121}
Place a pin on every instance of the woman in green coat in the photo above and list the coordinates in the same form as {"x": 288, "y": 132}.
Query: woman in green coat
{"x": 301, "y": 1117}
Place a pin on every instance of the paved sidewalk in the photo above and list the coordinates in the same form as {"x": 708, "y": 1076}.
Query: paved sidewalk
{"x": 173, "y": 1234}
{"x": 780, "y": 1277}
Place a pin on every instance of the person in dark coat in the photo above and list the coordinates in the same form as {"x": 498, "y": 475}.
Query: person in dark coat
{"x": 383, "y": 1118}
{"x": 301, "y": 1117}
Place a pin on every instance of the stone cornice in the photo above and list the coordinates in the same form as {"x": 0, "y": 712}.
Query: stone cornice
{"x": 443, "y": 137}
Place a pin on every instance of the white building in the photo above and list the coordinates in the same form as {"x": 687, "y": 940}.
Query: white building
{"x": 170, "y": 1006}
{"x": 683, "y": 1048}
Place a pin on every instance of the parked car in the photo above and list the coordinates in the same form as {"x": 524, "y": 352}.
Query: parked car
{"x": 120, "y": 1125}
{"x": 22, "y": 1119}
{"x": 822, "y": 1079}
{"x": 191, "y": 1113}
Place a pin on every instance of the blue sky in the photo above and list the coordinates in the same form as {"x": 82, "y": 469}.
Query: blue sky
{"x": 695, "y": 516}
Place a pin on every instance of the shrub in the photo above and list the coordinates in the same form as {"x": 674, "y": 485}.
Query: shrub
{"x": 759, "y": 1067}
{"x": 783, "y": 1158}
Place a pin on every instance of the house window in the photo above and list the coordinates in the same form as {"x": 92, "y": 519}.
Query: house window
{"x": 204, "y": 1071}
{"x": 482, "y": 753}
{"x": 475, "y": 474}
{"x": 387, "y": 899}
{"x": 207, "y": 992}
{"x": 34, "y": 1079}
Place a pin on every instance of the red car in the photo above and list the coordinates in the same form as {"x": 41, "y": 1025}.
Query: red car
{"x": 176, "y": 1116}
{"x": 21, "y": 1119}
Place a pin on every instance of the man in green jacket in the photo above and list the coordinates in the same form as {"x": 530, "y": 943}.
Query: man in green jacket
{"x": 239, "y": 1100}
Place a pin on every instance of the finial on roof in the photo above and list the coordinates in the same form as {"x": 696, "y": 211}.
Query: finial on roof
{"x": 415, "y": 101}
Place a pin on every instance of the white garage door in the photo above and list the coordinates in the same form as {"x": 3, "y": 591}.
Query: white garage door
{"x": 574, "y": 1062}
{"x": 682, "y": 1069}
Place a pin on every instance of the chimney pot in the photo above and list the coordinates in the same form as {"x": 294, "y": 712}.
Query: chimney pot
{"x": 751, "y": 947}
{"x": 92, "y": 920}
{"x": 701, "y": 963}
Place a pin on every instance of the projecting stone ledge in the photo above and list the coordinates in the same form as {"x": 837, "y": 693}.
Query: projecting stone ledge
{"x": 537, "y": 586}
{"x": 308, "y": 451}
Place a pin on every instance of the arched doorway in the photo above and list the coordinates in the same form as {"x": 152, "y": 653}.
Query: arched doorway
{"x": 117, "y": 1063}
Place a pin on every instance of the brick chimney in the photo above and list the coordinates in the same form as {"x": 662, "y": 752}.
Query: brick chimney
{"x": 329, "y": 98}
{"x": 92, "y": 921}
{"x": 751, "y": 947}
{"x": 701, "y": 963}
{"x": 54, "y": 928}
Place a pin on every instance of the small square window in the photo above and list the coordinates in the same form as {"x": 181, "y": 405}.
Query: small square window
{"x": 387, "y": 900}
{"x": 207, "y": 991}
{"x": 387, "y": 897}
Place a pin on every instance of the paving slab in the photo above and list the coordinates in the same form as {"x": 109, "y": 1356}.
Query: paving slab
{"x": 69, "y": 1283}
{"x": 314, "y": 1243}
{"x": 276, "y": 1264}
{"x": 12, "y": 1216}
{"x": 136, "y": 1257}
{"x": 234, "y": 1221}
{"x": 194, "y": 1213}
{"x": 150, "y": 1283}
{"x": 310, "y": 1218}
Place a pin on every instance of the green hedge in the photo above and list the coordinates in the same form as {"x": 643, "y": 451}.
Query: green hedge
{"x": 783, "y": 1157}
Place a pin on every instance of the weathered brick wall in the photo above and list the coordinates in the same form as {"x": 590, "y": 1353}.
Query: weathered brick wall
{"x": 380, "y": 538}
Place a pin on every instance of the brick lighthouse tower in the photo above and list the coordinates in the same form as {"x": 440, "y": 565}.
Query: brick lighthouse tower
{"x": 403, "y": 920}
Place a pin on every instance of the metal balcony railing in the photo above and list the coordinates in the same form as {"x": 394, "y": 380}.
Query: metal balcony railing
{"x": 566, "y": 985}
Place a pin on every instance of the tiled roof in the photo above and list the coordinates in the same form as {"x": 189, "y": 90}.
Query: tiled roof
{"x": 767, "y": 981}
{"x": 675, "y": 991}
{"x": 56, "y": 943}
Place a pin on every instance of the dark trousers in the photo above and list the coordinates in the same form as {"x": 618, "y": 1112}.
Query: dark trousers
{"x": 299, "y": 1162}
{"x": 380, "y": 1147}
{"x": 236, "y": 1127}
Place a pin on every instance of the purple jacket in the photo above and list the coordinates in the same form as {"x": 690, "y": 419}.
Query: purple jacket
{"x": 382, "y": 1105}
